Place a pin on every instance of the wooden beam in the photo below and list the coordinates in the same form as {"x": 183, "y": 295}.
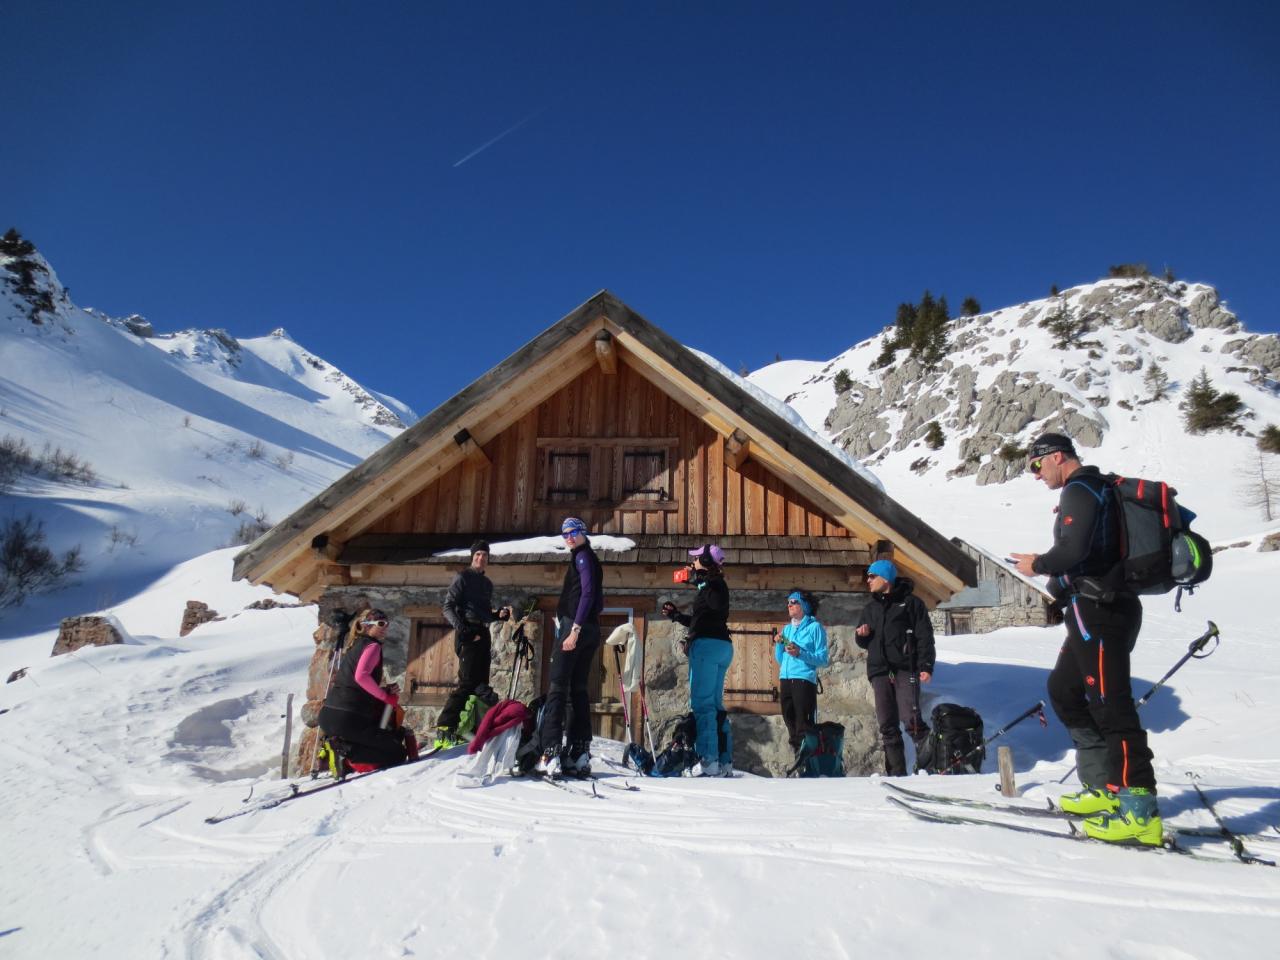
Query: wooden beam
{"x": 736, "y": 450}
{"x": 471, "y": 450}
{"x": 617, "y": 576}
{"x": 606, "y": 353}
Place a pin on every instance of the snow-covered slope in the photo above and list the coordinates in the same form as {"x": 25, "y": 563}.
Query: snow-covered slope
{"x": 189, "y": 435}
{"x": 115, "y": 756}
{"x": 1004, "y": 381}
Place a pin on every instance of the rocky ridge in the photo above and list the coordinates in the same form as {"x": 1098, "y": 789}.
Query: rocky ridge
{"x": 1072, "y": 363}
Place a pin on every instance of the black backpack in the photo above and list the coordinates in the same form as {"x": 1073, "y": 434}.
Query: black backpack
{"x": 954, "y": 745}
{"x": 679, "y": 754}
{"x": 1159, "y": 550}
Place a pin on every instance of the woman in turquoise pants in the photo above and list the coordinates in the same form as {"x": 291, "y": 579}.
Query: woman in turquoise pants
{"x": 710, "y": 653}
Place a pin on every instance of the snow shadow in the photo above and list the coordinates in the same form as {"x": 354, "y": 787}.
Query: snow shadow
{"x": 1000, "y": 692}
{"x": 1260, "y": 820}
{"x": 205, "y": 737}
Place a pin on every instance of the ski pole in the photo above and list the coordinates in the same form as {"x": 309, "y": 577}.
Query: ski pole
{"x": 622, "y": 693}
{"x": 1037, "y": 708}
{"x": 1193, "y": 651}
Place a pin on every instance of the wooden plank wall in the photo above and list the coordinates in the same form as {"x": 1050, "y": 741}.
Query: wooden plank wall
{"x": 711, "y": 497}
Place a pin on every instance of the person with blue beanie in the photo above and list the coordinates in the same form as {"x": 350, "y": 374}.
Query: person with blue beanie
{"x": 800, "y": 652}
{"x": 895, "y": 631}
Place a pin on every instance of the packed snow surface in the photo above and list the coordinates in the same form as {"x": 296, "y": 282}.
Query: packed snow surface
{"x": 115, "y": 756}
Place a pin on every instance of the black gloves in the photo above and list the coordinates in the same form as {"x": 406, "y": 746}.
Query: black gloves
{"x": 669, "y": 610}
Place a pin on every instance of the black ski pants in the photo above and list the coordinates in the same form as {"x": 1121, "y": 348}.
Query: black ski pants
{"x": 366, "y": 741}
{"x": 474, "y": 660}
{"x": 897, "y": 701}
{"x": 568, "y": 705}
{"x": 799, "y": 709}
{"x": 1091, "y": 692}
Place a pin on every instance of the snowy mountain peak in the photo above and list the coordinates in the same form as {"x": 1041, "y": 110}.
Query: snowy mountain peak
{"x": 280, "y": 332}
{"x": 192, "y": 439}
{"x": 1107, "y": 363}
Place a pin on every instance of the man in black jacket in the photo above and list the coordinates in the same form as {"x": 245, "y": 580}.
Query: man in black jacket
{"x": 895, "y": 631}
{"x": 1089, "y": 685}
{"x": 468, "y": 606}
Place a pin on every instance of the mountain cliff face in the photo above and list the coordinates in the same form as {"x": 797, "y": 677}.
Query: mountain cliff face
{"x": 1107, "y": 363}
{"x": 1009, "y": 376}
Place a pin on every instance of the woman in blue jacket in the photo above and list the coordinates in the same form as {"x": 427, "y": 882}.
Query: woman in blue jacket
{"x": 801, "y": 650}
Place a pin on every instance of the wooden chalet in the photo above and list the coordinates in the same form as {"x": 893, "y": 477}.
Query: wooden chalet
{"x": 606, "y": 417}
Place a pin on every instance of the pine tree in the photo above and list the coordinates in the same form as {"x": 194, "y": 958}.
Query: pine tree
{"x": 970, "y": 307}
{"x": 1204, "y": 408}
{"x": 1157, "y": 381}
{"x": 1269, "y": 439}
{"x": 842, "y": 381}
{"x": 933, "y": 437}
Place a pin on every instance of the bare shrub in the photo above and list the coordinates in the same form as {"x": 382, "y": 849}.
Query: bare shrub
{"x": 284, "y": 461}
{"x": 256, "y": 450}
{"x": 251, "y": 529}
{"x": 27, "y": 566}
{"x": 237, "y": 507}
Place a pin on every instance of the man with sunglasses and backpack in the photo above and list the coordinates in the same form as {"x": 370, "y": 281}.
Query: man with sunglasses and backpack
{"x": 1089, "y": 685}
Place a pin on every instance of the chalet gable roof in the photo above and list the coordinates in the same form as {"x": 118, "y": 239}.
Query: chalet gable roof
{"x": 596, "y": 332}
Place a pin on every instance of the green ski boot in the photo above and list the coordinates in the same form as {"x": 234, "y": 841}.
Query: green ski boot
{"x": 1136, "y": 821}
{"x": 446, "y": 737}
{"x": 1089, "y": 802}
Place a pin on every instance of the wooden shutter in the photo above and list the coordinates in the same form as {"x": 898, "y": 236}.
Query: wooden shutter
{"x": 751, "y": 685}
{"x": 432, "y": 670}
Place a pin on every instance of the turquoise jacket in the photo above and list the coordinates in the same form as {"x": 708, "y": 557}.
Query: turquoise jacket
{"x": 809, "y": 636}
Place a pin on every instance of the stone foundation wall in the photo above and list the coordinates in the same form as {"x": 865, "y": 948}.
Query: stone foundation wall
{"x": 760, "y": 742}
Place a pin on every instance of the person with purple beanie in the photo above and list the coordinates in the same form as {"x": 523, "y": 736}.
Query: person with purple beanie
{"x": 568, "y": 751}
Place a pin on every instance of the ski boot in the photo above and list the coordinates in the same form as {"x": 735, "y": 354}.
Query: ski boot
{"x": 705, "y": 768}
{"x": 1089, "y": 802}
{"x": 575, "y": 760}
{"x": 446, "y": 737}
{"x": 1136, "y": 821}
{"x": 548, "y": 764}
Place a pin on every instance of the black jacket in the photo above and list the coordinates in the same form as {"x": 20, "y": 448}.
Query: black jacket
{"x": 895, "y": 619}
{"x": 710, "y": 612}
{"x": 346, "y": 694}
{"x": 469, "y": 603}
{"x": 1086, "y": 530}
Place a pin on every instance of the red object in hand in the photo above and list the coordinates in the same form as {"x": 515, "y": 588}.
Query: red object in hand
{"x": 681, "y": 575}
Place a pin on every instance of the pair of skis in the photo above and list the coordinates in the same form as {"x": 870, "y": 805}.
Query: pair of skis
{"x": 588, "y": 786}
{"x": 915, "y": 798}
{"x": 296, "y": 792}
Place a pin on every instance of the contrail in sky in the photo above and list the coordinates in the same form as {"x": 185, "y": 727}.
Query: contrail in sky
{"x": 512, "y": 129}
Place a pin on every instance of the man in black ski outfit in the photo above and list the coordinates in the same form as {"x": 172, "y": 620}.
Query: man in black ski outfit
{"x": 468, "y": 606}
{"x": 895, "y": 631}
{"x": 1089, "y": 685}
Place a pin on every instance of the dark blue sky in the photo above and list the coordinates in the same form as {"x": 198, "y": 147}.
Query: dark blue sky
{"x": 755, "y": 181}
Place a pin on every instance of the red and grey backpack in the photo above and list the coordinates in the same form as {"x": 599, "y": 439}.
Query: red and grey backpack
{"x": 1158, "y": 548}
